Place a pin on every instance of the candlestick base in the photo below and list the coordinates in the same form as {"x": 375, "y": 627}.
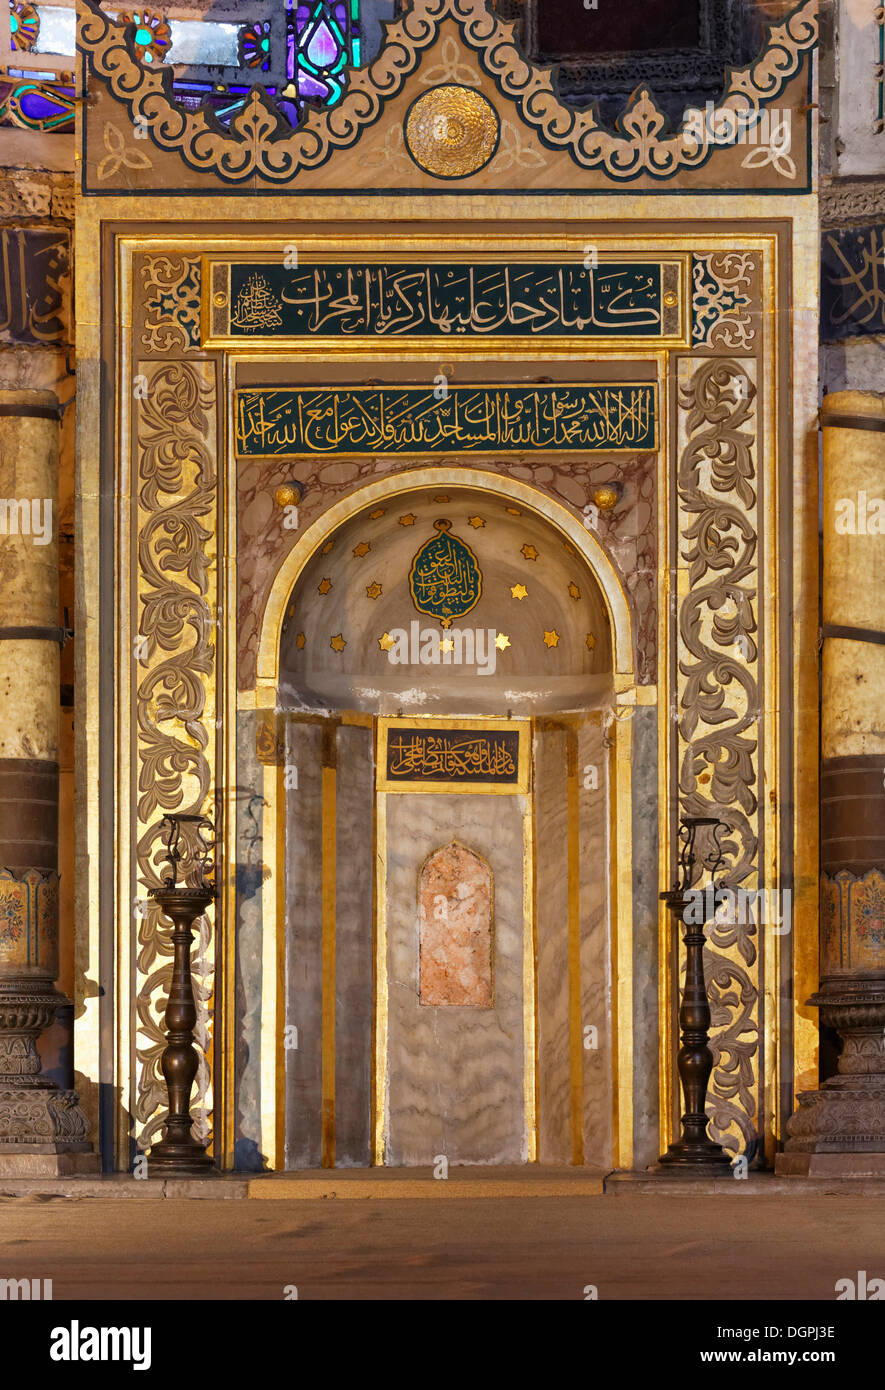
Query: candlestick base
{"x": 180, "y": 1160}
{"x": 704, "y": 1161}
{"x": 694, "y": 1152}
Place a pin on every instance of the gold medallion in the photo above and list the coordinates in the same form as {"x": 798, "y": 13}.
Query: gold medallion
{"x": 452, "y": 131}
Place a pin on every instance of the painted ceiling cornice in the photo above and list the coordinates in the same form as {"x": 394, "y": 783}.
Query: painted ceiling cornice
{"x": 261, "y": 144}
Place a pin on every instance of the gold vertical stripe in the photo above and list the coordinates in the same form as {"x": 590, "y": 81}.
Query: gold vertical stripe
{"x": 92, "y": 649}
{"x": 529, "y": 978}
{"x": 127, "y": 887}
{"x": 278, "y": 936}
{"x": 620, "y": 770}
{"x": 226, "y": 911}
{"x": 329, "y": 873}
{"x": 613, "y": 846}
{"x": 768, "y": 675}
{"x": 666, "y": 694}
{"x": 380, "y": 1060}
{"x": 576, "y": 1060}
{"x": 373, "y": 1069}
{"x": 271, "y": 1038}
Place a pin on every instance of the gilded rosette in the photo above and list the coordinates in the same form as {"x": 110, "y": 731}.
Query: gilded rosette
{"x": 452, "y": 131}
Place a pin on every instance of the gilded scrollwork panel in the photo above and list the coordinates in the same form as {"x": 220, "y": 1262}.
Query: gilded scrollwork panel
{"x": 725, "y": 301}
{"x": 718, "y": 701}
{"x": 175, "y": 659}
{"x": 167, "y": 304}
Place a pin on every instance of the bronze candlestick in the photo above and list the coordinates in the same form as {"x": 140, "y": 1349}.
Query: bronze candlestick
{"x": 694, "y": 1154}
{"x": 179, "y": 1154}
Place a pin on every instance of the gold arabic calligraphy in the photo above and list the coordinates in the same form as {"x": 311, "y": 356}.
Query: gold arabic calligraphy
{"x": 445, "y": 579}
{"x": 396, "y": 300}
{"x": 859, "y": 296}
{"x": 33, "y": 262}
{"x": 369, "y": 420}
{"x": 449, "y": 756}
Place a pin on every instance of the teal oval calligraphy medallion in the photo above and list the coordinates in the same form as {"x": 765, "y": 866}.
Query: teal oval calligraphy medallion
{"x": 445, "y": 579}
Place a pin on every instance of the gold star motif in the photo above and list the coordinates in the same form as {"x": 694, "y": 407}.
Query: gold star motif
{"x": 327, "y": 547}
{"x": 324, "y": 586}
{"x": 591, "y": 641}
{"x": 441, "y": 497}
{"x": 362, "y": 549}
{"x": 338, "y": 643}
{"x": 299, "y": 641}
{"x": 574, "y": 590}
{"x": 379, "y": 511}
{"x": 569, "y": 549}
{"x": 385, "y": 642}
{"x": 514, "y": 511}
{"x": 529, "y": 552}
{"x": 551, "y": 639}
{"x": 447, "y": 644}
{"x": 476, "y": 522}
{"x": 373, "y": 590}
{"x": 518, "y": 591}
{"x": 408, "y": 520}
{"x": 502, "y": 641}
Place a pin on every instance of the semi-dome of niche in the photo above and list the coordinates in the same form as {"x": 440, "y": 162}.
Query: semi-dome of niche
{"x": 447, "y": 602}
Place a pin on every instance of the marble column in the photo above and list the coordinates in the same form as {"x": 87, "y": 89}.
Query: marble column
{"x": 42, "y": 1128}
{"x": 840, "y": 1128}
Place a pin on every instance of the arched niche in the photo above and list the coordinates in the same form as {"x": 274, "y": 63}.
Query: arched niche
{"x": 345, "y": 848}
{"x": 530, "y": 632}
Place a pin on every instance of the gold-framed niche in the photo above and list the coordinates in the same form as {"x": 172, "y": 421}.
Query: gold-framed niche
{"x": 188, "y": 398}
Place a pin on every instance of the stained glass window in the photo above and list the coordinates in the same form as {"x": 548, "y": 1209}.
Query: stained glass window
{"x": 323, "y": 39}
{"x": 24, "y": 25}
{"x": 302, "y": 50}
{"x": 254, "y": 50}
{"x": 152, "y": 35}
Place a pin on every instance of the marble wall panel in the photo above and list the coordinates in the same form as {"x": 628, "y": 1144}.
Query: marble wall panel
{"x": 249, "y": 877}
{"x": 552, "y": 888}
{"x": 455, "y": 1075}
{"x": 354, "y": 947}
{"x": 303, "y": 990}
{"x": 595, "y": 869}
{"x": 646, "y": 887}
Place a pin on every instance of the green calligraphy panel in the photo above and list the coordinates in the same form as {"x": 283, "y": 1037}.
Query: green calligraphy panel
{"x": 446, "y": 300}
{"x": 277, "y": 422}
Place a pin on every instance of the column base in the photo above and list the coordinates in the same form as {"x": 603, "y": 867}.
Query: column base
{"x": 846, "y": 1116}
{"x": 829, "y": 1165}
{"x": 50, "y": 1161}
{"x": 41, "y": 1119}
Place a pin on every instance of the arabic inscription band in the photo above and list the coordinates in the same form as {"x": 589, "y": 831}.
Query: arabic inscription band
{"x": 563, "y": 299}
{"x": 276, "y": 422}
{"x": 33, "y": 264}
{"x": 463, "y": 755}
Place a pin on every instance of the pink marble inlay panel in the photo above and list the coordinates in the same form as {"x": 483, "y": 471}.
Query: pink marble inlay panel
{"x": 455, "y": 929}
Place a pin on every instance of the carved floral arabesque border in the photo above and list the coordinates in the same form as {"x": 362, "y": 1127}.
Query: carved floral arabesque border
{"x": 175, "y": 424}
{"x": 718, "y": 698}
{"x": 260, "y": 143}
